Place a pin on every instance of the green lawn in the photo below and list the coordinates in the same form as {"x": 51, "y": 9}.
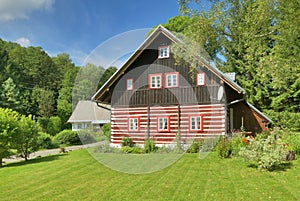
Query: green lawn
{"x": 78, "y": 176}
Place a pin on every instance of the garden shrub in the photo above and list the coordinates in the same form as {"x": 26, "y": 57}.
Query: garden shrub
{"x": 132, "y": 150}
{"x": 86, "y": 136}
{"x": 237, "y": 142}
{"x": 195, "y": 146}
{"x": 291, "y": 139}
{"x": 106, "y": 130}
{"x": 45, "y": 141}
{"x": 126, "y": 141}
{"x": 266, "y": 151}
{"x": 43, "y": 122}
{"x": 67, "y": 137}
{"x": 224, "y": 148}
{"x": 54, "y": 125}
{"x": 149, "y": 146}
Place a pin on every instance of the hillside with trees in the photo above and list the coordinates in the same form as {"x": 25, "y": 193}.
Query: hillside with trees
{"x": 33, "y": 83}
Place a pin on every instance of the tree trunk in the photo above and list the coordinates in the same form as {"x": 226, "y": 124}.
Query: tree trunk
{"x": 0, "y": 161}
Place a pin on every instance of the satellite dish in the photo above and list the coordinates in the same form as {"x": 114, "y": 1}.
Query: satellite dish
{"x": 220, "y": 93}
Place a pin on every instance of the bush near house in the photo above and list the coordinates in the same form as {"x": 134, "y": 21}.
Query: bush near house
{"x": 67, "y": 137}
{"x": 106, "y": 130}
{"x": 54, "y": 125}
{"x": 266, "y": 151}
{"x": 45, "y": 141}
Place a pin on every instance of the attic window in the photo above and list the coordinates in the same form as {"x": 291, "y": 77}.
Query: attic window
{"x": 200, "y": 79}
{"x": 129, "y": 84}
{"x": 163, "y": 52}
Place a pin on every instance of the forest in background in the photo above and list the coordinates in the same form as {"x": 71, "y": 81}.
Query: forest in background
{"x": 259, "y": 40}
{"x": 33, "y": 83}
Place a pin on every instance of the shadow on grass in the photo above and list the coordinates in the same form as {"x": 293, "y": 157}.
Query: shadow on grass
{"x": 35, "y": 160}
{"x": 279, "y": 168}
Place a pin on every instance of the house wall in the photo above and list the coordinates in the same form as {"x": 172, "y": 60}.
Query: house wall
{"x": 244, "y": 115}
{"x": 213, "y": 123}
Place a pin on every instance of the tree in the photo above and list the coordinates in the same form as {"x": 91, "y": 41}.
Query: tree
{"x": 64, "y": 101}
{"x": 106, "y": 75}
{"x": 283, "y": 64}
{"x": 54, "y": 125}
{"x": 86, "y": 82}
{"x": 45, "y": 101}
{"x": 244, "y": 31}
{"x": 10, "y": 95}
{"x": 26, "y": 140}
{"x": 8, "y": 129}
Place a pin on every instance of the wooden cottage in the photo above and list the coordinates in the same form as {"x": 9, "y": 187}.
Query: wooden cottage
{"x": 154, "y": 97}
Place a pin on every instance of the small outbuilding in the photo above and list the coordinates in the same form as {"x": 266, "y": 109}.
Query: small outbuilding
{"x": 88, "y": 115}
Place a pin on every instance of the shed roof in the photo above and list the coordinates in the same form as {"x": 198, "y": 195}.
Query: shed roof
{"x": 104, "y": 90}
{"x": 88, "y": 111}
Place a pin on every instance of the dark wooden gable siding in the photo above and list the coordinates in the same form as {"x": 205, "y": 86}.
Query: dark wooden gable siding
{"x": 149, "y": 63}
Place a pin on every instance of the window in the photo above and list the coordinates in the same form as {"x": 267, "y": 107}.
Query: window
{"x": 163, "y": 124}
{"x": 134, "y": 124}
{"x": 200, "y": 79}
{"x": 196, "y": 123}
{"x": 163, "y": 52}
{"x": 155, "y": 81}
{"x": 129, "y": 84}
{"x": 172, "y": 80}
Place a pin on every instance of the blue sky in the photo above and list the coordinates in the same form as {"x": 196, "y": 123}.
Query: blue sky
{"x": 78, "y": 26}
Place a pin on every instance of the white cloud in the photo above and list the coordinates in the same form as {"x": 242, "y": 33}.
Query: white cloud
{"x": 19, "y": 9}
{"x": 25, "y": 42}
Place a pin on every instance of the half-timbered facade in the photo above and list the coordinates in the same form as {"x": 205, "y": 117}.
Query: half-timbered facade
{"x": 153, "y": 96}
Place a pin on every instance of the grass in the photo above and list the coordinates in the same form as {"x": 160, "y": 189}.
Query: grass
{"x": 77, "y": 176}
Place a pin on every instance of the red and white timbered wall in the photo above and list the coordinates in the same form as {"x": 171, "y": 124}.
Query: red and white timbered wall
{"x": 161, "y": 124}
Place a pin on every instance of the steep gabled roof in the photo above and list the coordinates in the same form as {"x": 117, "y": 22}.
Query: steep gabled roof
{"x": 160, "y": 29}
{"x": 88, "y": 111}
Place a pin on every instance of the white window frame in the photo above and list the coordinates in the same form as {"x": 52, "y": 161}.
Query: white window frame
{"x": 195, "y": 123}
{"x": 154, "y": 83}
{"x": 129, "y": 84}
{"x": 201, "y": 79}
{"x": 163, "y": 52}
{"x": 163, "y": 124}
{"x": 134, "y": 124}
{"x": 169, "y": 76}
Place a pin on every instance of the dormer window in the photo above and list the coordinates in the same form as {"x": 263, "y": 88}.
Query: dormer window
{"x": 163, "y": 52}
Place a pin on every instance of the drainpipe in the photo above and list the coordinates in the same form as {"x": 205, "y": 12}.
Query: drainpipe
{"x": 106, "y": 108}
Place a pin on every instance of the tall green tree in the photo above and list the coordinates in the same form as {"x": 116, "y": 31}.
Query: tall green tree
{"x": 86, "y": 82}
{"x": 26, "y": 139}
{"x": 8, "y": 130}
{"x": 106, "y": 75}
{"x": 244, "y": 30}
{"x": 283, "y": 63}
{"x": 45, "y": 100}
{"x": 64, "y": 101}
{"x": 10, "y": 95}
